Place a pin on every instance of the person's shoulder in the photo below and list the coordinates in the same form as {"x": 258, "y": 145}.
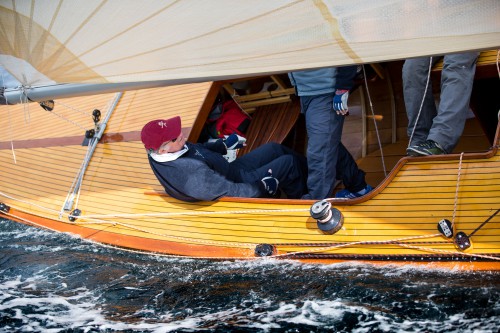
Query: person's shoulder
{"x": 187, "y": 162}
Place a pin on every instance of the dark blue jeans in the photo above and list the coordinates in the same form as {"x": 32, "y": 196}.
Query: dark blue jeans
{"x": 328, "y": 160}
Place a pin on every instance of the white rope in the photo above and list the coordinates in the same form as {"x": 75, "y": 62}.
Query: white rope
{"x": 11, "y": 135}
{"x": 456, "y": 190}
{"x": 24, "y": 102}
{"x": 67, "y": 120}
{"x": 423, "y": 99}
{"x": 74, "y": 109}
{"x": 82, "y": 170}
{"x": 375, "y": 123}
{"x": 498, "y": 68}
{"x": 195, "y": 213}
{"x": 396, "y": 242}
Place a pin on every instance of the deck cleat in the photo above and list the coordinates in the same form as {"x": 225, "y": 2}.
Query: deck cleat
{"x": 445, "y": 228}
{"x": 4, "y": 208}
{"x": 328, "y": 218}
{"x": 96, "y": 116}
{"x": 265, "y": 250}
{"x": 462, "y": 241}
{"x": 72, "y": 217}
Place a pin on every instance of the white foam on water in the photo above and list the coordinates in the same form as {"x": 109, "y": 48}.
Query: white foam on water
{"x": 24, "y": 299}
{"x": 53, "y": 313}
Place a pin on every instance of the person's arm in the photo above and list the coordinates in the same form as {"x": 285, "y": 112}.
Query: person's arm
{"x": 344, "y": 79}
{"x": 217, "y": 146}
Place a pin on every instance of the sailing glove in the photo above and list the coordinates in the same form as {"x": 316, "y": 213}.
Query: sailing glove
{"x": 234, "y": 141}
{"x": 340, "y": 101}
{"x": 270, "y": 184}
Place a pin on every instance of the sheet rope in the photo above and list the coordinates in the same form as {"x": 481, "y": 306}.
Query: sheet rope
{"x": 397, "y": 241}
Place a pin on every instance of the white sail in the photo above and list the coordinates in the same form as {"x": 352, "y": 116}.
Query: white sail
{"x": 116, "y": 41}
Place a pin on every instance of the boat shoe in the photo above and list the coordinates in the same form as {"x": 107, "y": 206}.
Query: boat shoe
{"x": 351, "y": 195}
{"x": 429, "y": 147}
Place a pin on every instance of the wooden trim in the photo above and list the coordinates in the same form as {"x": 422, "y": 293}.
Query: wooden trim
{"x": 128, "y": 241}
{"x": 205, "y": 109}
{"x": 209, "y": 252}
{"x": 247, "y": 200}
{"x": 488, "y": 57}
{"x": 73, "y": 140}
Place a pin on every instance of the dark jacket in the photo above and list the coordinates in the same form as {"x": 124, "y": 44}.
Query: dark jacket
{"x": 321, "y": 81}
{"x": 200, "y": 174}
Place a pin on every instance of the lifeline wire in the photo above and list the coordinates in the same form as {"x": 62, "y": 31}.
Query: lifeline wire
{"x": 10, "y": 123}
{"x": 375, "y": 123}
{"x": 456, "y": 190}
{"x": 396, "y": 242}
{"x": 421, "y": 104}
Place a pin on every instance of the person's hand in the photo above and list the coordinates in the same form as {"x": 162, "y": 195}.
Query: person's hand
{"x": 270, "y": 183}
{"x": 340, "y": 101}
{"x": 234, "y": 141}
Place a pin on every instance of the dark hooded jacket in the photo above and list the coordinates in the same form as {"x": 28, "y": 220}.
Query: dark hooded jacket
{"x": 202, "y": 173}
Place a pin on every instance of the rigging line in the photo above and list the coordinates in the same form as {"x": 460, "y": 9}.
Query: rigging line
{"x": 474, "y": 255}
{"x": 75, "y": 109}
{"x": 70, "y": 194}
{"x": 67, "y": 120}
{"x": 195, "y": 213}
{"x": 82, "y": 170}
{"x": 375, "y": 123}
{"x": 421, "y": 104}
{"x": 406, "y": 245}
{"x": 11, "y": 137}
{"x": 482, "y": 224}
{"x": 250, "y": 245}
{"x": 11, "y": 134}
{"x": 338, "y": 246}
{"x": 96, "y": 221}
{"x": 25, "y": 104}
{"x": 244, "y": 258}
{"x": 498, "y": 68}
{"x": 194, "y": 240}
{"x": 456, "y": 191}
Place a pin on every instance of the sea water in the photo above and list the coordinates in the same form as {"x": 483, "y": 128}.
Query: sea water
{"x": 53, "y": 282}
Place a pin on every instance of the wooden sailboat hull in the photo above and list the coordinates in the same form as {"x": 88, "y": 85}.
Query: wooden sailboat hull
{"x": 123, "y": 205}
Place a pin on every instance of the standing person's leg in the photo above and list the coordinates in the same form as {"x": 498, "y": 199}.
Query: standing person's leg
{"x": 348, "y": 171}
{"x": 457, "y": 78}
{"x": 324, "y": 130}
{"x": 415, "y": 73}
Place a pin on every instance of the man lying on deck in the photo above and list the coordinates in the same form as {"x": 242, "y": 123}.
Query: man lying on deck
{"x": 193, "y": 172}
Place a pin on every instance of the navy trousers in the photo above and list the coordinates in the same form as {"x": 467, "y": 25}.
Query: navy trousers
{"x": 289, "y": 167}
{"x": 328, "y": 160}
